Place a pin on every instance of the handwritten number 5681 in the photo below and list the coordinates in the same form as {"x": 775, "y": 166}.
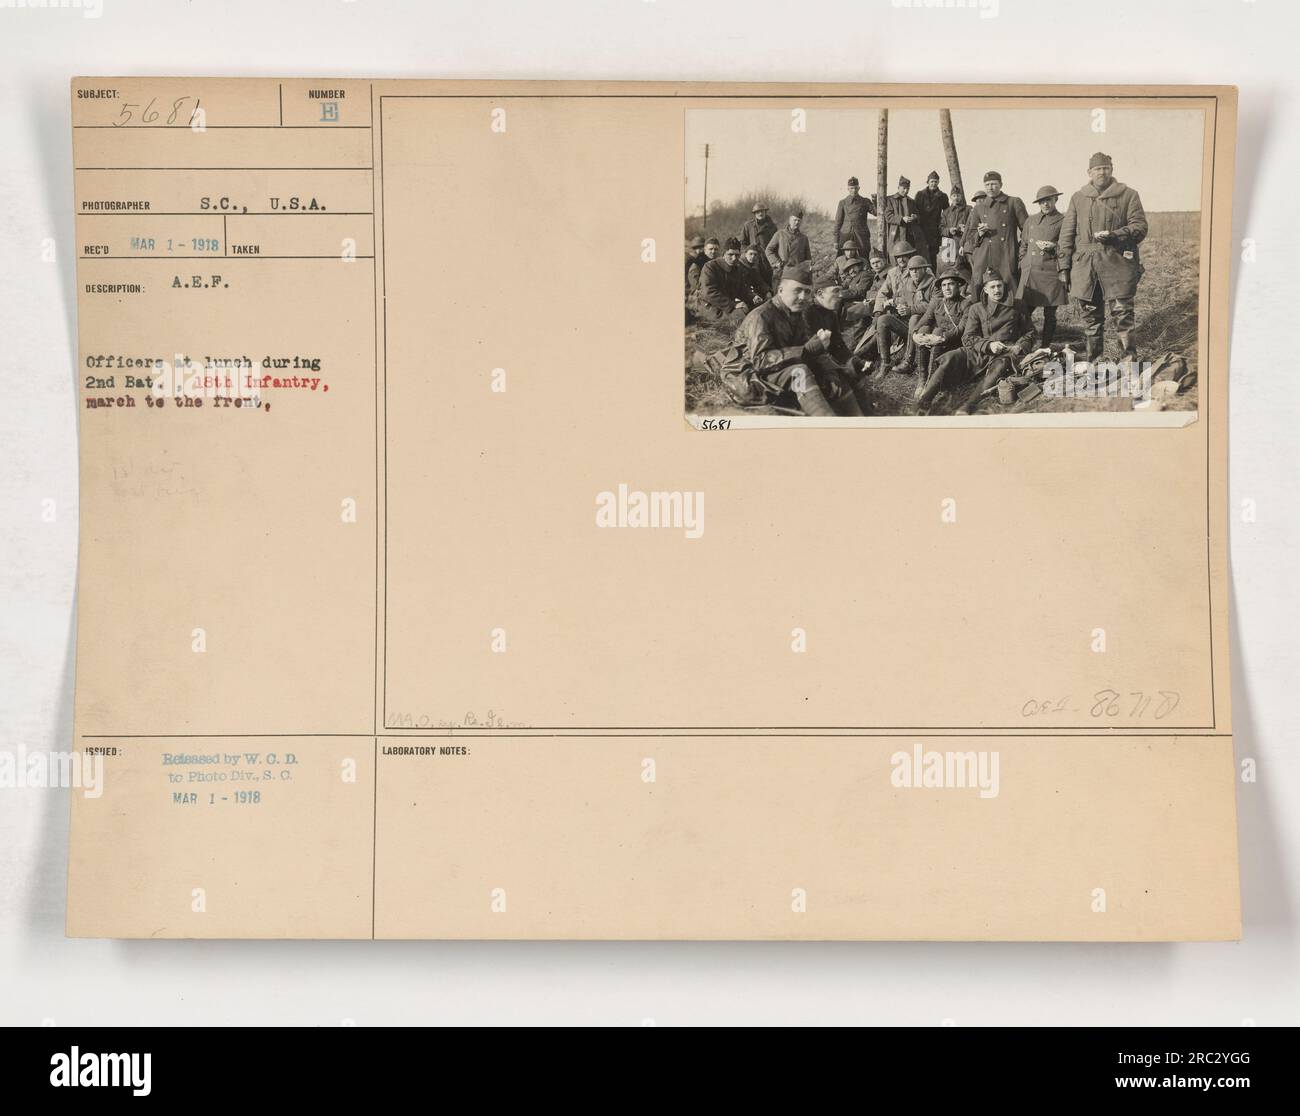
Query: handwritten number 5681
{"x": 150, "y": 114}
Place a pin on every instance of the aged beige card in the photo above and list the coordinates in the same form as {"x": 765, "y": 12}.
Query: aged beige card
{"x": 458, "y": 563}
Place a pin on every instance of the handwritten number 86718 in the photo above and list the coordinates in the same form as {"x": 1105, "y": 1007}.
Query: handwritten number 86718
{"x": 1109, "y": 703}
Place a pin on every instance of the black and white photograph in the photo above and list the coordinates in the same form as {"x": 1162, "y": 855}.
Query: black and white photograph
{"x": 878, "y": 263}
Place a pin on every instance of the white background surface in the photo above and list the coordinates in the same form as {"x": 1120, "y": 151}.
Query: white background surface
{"x": 44, "y": 976}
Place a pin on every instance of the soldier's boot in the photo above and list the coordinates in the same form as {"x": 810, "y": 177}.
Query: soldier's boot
{"x": 1094, "y": 330}
{"x": 923, "y": 367}
{"x": 906, "y": 364}
{"x": 1049, "y": 324}
{"x": 882, "y": 346}
{"x": 812, "y": 401}
{"x": 1127, "y": 344}
{"x": 847, "y": 404}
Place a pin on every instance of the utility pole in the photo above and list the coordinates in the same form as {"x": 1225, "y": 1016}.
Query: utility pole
{"x": 706, "y": 187}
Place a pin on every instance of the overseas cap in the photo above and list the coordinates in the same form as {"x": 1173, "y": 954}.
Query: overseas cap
{"x": 800, "y": 273}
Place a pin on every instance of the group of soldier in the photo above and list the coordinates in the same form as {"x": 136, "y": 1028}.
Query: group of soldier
{"x": 948, "y": 297}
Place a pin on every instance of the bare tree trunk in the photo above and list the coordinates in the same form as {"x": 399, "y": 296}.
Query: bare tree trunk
{"x": 950, "y": 151}
{"x": 882, "y": 169}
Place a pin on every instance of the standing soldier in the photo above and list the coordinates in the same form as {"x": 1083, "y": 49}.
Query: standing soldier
{"x": 930, "y": 204}
{"x": 901, "y": 229}
{"x": 1040, "y": 284}
{"x": 851, "y": 220}
{"x": 787, "y": 247}
{"x": 994, "y": 226}
{"x": 968, "y": 236}
{"x": 952, "y": 228}
{"x": 758, "y": 230}
{"x": 1099, "y": 258}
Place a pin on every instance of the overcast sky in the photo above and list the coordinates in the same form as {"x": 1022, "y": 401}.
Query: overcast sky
{"x": 1156, "y": 151}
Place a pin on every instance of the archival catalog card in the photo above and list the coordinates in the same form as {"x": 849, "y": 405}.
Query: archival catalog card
{"x": 460, "y": 561}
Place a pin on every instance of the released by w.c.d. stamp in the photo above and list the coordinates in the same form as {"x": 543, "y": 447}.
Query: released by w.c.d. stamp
{"x": 410, "y": 605}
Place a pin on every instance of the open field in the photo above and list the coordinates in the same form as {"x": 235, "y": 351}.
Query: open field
{"x": 1166, "y": 309}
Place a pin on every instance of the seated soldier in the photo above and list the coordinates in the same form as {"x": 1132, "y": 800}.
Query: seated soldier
{"x": 938, "y": 332}
{"x": 968, "y": 298}
{"x": 696, "y": 269}
{"x": 859, "y": 283}
{"x": 828, "y": 311}
{"x": 695, "y": 258}
{"x": 899, "y": 305}
{"x": 722, "y": 293}
{"x": 774, "y": 357}
{"x": 754, "y": 274}
{"x": 848, "y": 255}
{"x": 995, "y": 334}
{"x": 867, "y": 347}
{"x": 914, "y": 298}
